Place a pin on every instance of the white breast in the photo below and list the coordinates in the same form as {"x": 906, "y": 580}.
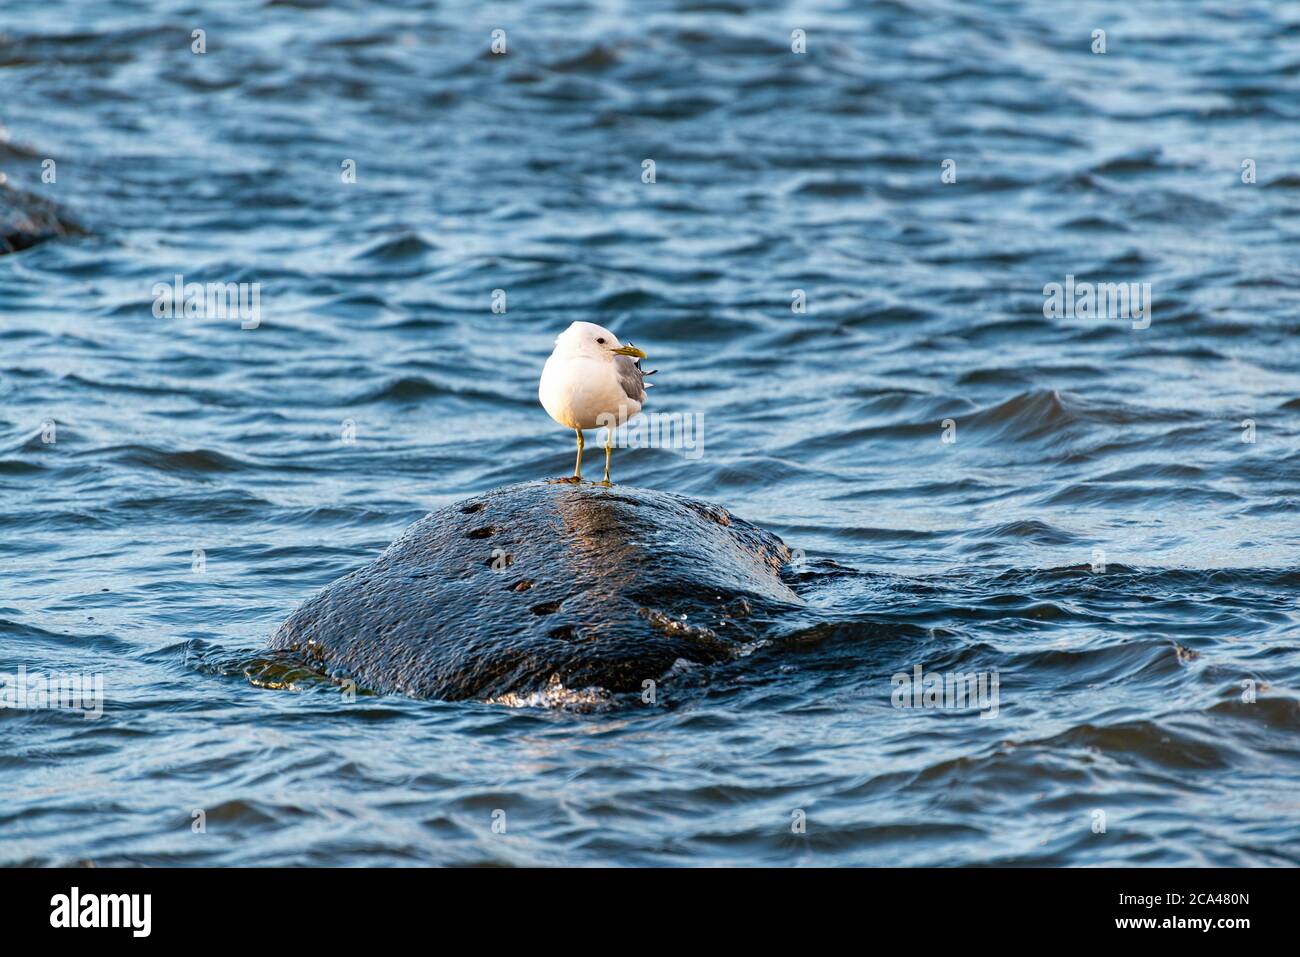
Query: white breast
{"x": 581, "y": 393}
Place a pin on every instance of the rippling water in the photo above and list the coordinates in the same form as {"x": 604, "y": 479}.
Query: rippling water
{"x": 1099, "y": 534}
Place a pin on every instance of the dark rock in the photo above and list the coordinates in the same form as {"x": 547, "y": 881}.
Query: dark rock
{"x": 26, "y": 219}
{"x": 515, "y": 590}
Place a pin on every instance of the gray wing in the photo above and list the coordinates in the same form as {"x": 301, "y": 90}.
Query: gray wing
{"x": 630, "y": 377}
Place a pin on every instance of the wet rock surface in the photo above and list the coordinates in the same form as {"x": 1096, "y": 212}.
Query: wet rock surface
{"x": 27, "y": 219}
{"x": 526, "y": 587}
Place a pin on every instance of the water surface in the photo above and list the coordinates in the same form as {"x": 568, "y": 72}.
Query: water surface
{"x": 200, "y": 485}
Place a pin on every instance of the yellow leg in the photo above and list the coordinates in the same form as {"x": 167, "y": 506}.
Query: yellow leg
{"x": 576, "y": 477}
{"x": 609, "y": 441}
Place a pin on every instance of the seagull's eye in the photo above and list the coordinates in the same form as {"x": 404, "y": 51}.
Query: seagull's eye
{"x": 600, "y": 341}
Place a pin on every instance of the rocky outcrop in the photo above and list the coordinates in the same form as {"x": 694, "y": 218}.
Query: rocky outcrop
{"x": 26, "y": 219}
{"x": 538, "y": 585}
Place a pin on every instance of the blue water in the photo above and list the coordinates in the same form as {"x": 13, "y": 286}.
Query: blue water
{"x": 1099, "y": 534}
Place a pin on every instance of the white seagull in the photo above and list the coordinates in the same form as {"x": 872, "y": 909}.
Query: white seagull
{"x": 592, "y": 381}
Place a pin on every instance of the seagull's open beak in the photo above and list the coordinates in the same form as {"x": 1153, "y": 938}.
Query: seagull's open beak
{"x": 630, "y": 351}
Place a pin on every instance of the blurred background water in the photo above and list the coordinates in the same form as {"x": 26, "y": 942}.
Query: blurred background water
{"x": 1076, "y": 440}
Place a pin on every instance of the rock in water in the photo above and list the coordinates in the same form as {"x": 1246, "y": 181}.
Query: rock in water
{"x": 525, "y": 586}
{"x": 26, "y": 220}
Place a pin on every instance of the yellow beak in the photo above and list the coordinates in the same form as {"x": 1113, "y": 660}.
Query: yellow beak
{"x": 630, "y": 351}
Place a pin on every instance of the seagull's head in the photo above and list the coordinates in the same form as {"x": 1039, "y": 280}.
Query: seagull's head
{"x": 593, "y": 341}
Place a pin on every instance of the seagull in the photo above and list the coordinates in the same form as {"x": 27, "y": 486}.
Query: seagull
{"x": 592, "y": 381}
